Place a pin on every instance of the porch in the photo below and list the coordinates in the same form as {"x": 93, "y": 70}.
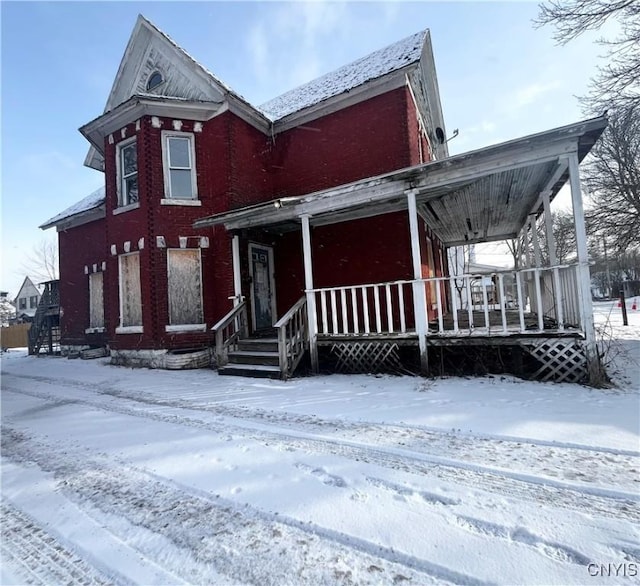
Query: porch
{"x": 498, "y": 193}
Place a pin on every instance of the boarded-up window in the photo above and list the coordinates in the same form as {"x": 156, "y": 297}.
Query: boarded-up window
{"x": 185, "y": 288}
{"x": 96, "y": 301}
{"x": 130, "y": 295}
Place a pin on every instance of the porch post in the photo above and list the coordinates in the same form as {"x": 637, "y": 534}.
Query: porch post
{"x": 548, "y": 222}
{"x": 583, "y": 277}
{"x": 237, "y": 281}
{"x": 419, "y": 294}
{"x": 311, "y": 297}
{"x": 534, "y": 239}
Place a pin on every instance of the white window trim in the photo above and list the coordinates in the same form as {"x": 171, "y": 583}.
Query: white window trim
{"x": 186, "y": 328}
{"x": 127, "y": 208}
{"x": 94, "y": 330}
{"x": 119, "y": 147}
{"x": 127, "y": 329}
{"x": 180, "y": 202}
{"x": 166, "y": 134}
{"x": 182, "y": 326}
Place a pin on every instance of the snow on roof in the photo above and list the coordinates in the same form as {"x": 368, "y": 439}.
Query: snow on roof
{"x": 90, "y": 202}
{"x": 349, "y": 76}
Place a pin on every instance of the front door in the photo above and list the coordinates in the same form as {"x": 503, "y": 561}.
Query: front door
{"x": 263, "y": 298}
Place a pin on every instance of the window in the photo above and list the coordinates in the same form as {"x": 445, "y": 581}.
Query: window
{"x": 179, "y": 166}
{"x": 154, "y": 80}
{"x": 184, "y": 286}
{"x": 130, "y": 293}
{"x": 128, "y": 173}
{"x": 33, "y": 302}
{"x": 22, "y": 303}
{"x": 96, "y": 301}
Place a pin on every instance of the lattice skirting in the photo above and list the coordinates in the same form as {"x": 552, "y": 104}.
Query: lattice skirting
{"x": 366, "y": 357}
{"x": 561, "y": 360}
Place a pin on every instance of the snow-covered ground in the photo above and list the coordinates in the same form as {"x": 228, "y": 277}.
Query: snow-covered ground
{"x": 113, "y": 475}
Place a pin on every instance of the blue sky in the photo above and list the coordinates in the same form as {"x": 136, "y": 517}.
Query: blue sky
{"x": 499, "y": 77}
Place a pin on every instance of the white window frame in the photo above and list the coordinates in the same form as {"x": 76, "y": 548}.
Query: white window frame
{"x": 166, "y": 135}
{"x": 185, "y": 327}
{"x": 92, "y": 327}
{"x": 122, "y": 204}
{"x": 135, "y": 329}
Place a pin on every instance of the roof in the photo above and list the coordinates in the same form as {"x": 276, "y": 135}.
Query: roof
{"x": 479, "y": 196}
{"x": 377, "y": 64}
{"x": 92, "y": 201}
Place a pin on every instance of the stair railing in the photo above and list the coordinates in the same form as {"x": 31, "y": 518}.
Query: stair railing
{"x": 293, "y": 337}
{"x": 228, "y": 331}
{"x": 40, "y": 325}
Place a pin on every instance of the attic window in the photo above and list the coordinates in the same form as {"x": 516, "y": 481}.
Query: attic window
{"x": 440, "y": 135}
{"x": 154, "y": 81}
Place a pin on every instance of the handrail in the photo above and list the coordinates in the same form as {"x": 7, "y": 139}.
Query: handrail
{"x": 287, "y": 316}
{"x": 226, "y": 320}
{"x": 228, "y": 332}
{"x": 293, "y": 337}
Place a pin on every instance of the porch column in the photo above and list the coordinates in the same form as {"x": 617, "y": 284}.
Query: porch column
{"x": 534, "y": 238}
{"x": 583, "y": 277}
{"x": 419, "y": 294}
{"x": 311, "y": 297}
{"x": 237, "y": 281}
{"x": 548, "y": 222}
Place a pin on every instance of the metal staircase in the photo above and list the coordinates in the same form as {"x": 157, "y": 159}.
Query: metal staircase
{"x": 44, "y": 335}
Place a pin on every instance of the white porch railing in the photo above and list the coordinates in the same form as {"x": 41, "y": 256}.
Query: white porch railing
{"x": 293, "y": 337}
{"x": 229, "y": 331}
{"x": 501, "y": 303}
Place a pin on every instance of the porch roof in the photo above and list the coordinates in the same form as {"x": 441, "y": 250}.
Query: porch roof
{"x": 479, "y": 196}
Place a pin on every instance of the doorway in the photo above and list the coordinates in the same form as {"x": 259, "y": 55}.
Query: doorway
{"x": 263, "y": 287}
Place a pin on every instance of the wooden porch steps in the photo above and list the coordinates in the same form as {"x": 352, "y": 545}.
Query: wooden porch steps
{"x": 255, "y": 357}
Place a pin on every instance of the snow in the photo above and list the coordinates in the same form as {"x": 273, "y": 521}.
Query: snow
{"x": 348, "y": 77}
{"x": 133, "y": 476}
{"x": 93, "y": 200}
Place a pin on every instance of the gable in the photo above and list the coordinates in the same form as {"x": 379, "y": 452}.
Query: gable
{"x": 149, "y": 51}
{"x": 28, "y": 289}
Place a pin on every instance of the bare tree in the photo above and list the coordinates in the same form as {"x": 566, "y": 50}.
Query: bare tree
{"x": 617, "y": 82}
{"x": 613, "y": 179}
{"x": 41, "y": 263}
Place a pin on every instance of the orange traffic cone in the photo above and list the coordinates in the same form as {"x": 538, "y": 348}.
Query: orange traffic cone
{"x": 634, "y": 307}
{"x": 619, "y": 303}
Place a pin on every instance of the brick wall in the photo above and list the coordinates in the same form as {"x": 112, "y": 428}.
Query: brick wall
{"x": 238, "y": 166}
{"x": 79, "y": 247}
{"x": 369, "y": 138}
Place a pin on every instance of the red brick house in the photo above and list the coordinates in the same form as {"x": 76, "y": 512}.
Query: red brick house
{"x": 220, "y": 221}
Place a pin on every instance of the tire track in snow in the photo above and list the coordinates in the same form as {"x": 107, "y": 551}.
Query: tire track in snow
{"x": 38, "y": 558}
{"x": 575, "y": 497}
{"x": 242, "y": 542}
{"x": 555, "y": 462}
